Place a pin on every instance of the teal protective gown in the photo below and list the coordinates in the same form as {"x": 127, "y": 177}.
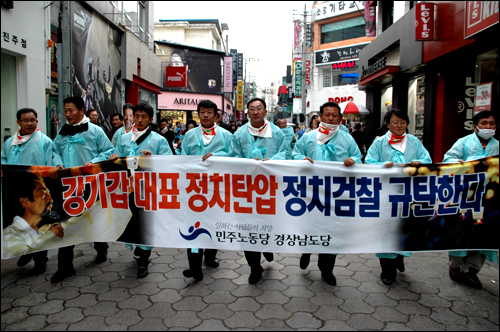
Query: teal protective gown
{"x": 470, "y": 148}
{"x": 120, "y": 132}
{"x": 244, "y": 145}
{"x": 339, "y": 148}
{"x": 38, "y": 150}
{"x": 91, "y": 145}
{"x": 154, "y": 143}
{"x": 193, "y": 145}
{"x": 381, "y": 152}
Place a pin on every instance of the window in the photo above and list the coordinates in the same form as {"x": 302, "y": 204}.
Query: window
{"x": 327, "y": 77}
{"x": 348, "y": 29}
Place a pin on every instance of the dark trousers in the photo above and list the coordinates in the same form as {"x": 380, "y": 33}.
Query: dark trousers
{"x": 143, "y": 260}
{"x": 389, "y": 269}
{"x": 326, "y": 262}
{"x": 253, "y": 260}
{"x": 40, "y": 257}
{"x": 195, "y": 259}
{"x": 66, "y": 255}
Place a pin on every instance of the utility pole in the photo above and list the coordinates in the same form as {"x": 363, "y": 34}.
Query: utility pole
{"x": 304, "y": 50}
{"x": 64, "y": 65}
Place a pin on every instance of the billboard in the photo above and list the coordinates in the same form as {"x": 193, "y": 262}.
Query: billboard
{"x": 96, "y": 63}
{"x": 203, "y": 68}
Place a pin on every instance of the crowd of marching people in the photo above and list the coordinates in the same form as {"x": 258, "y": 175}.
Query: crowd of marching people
{"x": 82, "y": 142}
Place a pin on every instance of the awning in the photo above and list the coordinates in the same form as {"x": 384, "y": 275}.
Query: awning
{"x": 381, "y": 75}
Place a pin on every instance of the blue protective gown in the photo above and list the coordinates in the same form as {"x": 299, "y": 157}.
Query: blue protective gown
{"x": 381, "y": 152}
{"x": 470, "y": 148}
{"x": 193, "y": 145}
{"x": 120, "y": 132}
{"x": 244, "y": 145}
{"x": 91, "y": 145}
{"x": 38, "y": 150}
{"x": 339, "y": 148}
{"x": 154, "y": 143}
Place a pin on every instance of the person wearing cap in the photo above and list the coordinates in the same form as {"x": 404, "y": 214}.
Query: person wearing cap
{"x": 396, "y": 147}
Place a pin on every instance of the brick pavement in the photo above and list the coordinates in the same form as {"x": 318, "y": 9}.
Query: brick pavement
{"x": 109, "y": 296}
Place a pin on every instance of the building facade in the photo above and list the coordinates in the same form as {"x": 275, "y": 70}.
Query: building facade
{"x": 434, "y": 81}
{"x": 340, "y": 33}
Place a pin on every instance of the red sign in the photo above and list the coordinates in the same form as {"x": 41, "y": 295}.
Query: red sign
{"x": 240, "y": 115}
{"x": 424, "y": 21}
{"x": 342, "y": 65}
{"x": 483, "y": 97}
{"x": 176, "y": 77}
{"x": 479, "y": 15}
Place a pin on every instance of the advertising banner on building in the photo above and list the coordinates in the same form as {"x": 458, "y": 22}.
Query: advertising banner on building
{"x": 239, "y": 96}
{"x": 176, "y": 76}
{"x": 228, "y": 74}
{"x": 370, "y": 18}
{"x": 245, "y": 204}
{"x": 297, "y": 40}
{"x": 96, "y": 63}
{"x": 204, "y": 68}
{"x": 480, "y": 15}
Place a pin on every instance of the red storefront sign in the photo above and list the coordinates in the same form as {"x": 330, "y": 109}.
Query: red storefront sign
{"x": 176, "y": 77}
{"x": 479, "y": 15}
{"x": 424, "y": 21}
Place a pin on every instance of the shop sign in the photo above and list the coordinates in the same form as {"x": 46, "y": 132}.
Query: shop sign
{"x": 298, "y": 78}
{"x": 297, "y": 106}
{"x": 182, "y": 101}
{"x": 424, "y": 21}
{"x": 8, "y": 37}
{"x": 329, "y": 9}
{"x": 339, "y": 100}
{"x": 483, "y": 97}
{"x": 239, "y": 96}
{"x": 468, "y": 106}
{"x": 344, "y": 65}
{"x": 240, "y": 115}
{"x": 234, "y": 54}
{"x": 176, "y": 77}
{"x": 381, "y": 63}
{"x": 228, "y": 74}
{"x": 479, "y": 15}
{"x": 333, "y": 55}
{"x": 308, "y": 70}
{"x": 240, "y": 66}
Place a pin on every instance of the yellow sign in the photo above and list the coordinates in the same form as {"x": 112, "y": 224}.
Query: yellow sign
{"x": 239, "y": 96}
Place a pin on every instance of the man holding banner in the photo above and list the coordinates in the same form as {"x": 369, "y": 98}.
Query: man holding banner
{"x": 29, "y": 146}
{"x": 79, "y": 143}
{"x": 141, "y": 140}
{"x": 464, "y": 265}
{"x": 396, "y": 147}
{"x": 259, "y": 140}
{"x": 208, "y": 140}
{"x": 327, "y": 143}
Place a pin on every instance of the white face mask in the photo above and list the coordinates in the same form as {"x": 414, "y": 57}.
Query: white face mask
{"x": 486, "y": 133}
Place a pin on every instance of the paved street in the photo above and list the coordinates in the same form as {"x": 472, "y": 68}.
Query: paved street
{"x": 109, "y": 297}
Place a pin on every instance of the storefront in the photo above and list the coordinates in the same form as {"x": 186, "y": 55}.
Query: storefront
{"x": 182, "y": 106}
{"x": 434, "y": 81}
{"x": 142, "y": 91}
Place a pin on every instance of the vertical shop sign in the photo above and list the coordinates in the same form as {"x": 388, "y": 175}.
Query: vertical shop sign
{"x": 424, "y": 21}
{"x": 234, "y": 54}
{"x": 370, "y": 26}
{"x": 240, "y": 66}
{"x": 239, "y": 96}
{"x": 228, "y": 74}
{"x": 298, "y": 78}
{"x": 308, "y": 70}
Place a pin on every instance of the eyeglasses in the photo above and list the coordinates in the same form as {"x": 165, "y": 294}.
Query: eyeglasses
{"x": 403, "y": 123}
{"x": 29, "y": 120}
{"x": 260, "y": 108}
